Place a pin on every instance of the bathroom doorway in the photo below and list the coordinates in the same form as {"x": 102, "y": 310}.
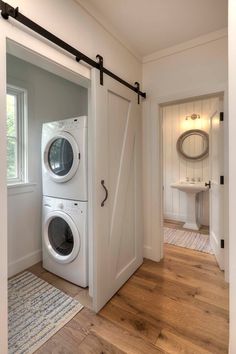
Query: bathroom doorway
{"x": 193, "y": 174}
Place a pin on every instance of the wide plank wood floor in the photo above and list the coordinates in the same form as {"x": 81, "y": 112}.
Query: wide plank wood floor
{"x": 179, "y": 305}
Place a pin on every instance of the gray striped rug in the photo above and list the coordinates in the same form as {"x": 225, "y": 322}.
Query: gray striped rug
{"x": 37, "y": 310}
{"x": 188, "y": 239}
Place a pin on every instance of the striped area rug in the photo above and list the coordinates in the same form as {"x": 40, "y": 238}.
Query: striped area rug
{"x": 188, "y": 239}
{"x": 37, "y": 310}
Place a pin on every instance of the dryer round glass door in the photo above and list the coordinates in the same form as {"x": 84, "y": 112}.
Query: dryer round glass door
{"x": 61, "y": 237}
{"x": 61, "y": 157}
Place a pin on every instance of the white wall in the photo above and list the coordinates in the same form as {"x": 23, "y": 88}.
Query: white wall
{"x": 68, "y": 20}
{"x": 175, "y": 167}
{"x": 183, "y": 72}
{"x": 49, "y": 98}
{"x": 232, "y": 171}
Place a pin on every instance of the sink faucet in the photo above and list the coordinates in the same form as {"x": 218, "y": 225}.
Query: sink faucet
{"x": 187, "y": 179}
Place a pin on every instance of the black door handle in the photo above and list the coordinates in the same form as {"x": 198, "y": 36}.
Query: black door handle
{"x": 106, "y": 193}
{"x": 208, "y": 184}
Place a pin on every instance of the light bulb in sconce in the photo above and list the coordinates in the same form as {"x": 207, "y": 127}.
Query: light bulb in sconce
{"x": 193, "y": 116}
{"x": 192, "y": 122}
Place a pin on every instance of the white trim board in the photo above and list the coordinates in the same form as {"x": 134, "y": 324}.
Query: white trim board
{"x": 175, "y": 217}
{"x": 201, "y": 92}
{"x": 147, "y": 252}
{"x": 21, "y": 45}
{"x": 215, "y": 247}
{"x": 24, "y": 263}
{"x": 20, "y": 188}
{"x": 210, "y": 37}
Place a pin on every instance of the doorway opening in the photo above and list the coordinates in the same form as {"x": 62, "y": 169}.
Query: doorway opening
{"x": 193, "y": 174}
{"x": 47, "y": 193}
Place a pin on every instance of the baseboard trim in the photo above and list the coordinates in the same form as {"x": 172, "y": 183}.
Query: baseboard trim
{"x": 214, "y": 241}
{"x": 24, "y": 263}
{"x": 148, "y": 253}
{"x": 175, "y": 217}
{"x": 182, "y": 218}
{"x": 217, "y": 250}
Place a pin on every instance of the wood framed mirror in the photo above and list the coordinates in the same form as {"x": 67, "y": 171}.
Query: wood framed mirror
{"x": 193, "y": 145}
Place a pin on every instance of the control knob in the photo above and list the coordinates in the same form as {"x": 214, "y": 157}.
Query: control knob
{"x": 60, "y": 205}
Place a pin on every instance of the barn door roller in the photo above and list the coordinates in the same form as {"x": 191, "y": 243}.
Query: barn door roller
{"x": 9, "y": 11}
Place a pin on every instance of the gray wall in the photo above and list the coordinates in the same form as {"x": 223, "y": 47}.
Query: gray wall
{"x": 49, "y": 98}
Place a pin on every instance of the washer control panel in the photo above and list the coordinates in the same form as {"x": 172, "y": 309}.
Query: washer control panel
{"x": 65, "y": 205}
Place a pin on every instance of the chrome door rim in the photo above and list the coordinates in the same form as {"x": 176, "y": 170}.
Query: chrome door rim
{"x": 76, "y": 160}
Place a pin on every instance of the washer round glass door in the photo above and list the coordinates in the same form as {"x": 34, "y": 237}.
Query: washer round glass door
{"x": 61, "y": 237}
{"x": 61, "y": 157}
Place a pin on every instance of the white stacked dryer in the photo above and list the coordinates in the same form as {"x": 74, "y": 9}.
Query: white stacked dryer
{"x": 64, "y": 177}
{"x": 64, "y": 159}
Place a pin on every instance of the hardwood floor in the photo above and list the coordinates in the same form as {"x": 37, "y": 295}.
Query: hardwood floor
{"x": 179, "y": 305}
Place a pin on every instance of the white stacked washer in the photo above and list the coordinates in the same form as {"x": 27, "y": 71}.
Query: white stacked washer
{"x": 65, "y": 239}
{"x": 65, "y": 204}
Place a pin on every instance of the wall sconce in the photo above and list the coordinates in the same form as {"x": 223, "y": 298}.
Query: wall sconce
{"x": 193, "y": 116}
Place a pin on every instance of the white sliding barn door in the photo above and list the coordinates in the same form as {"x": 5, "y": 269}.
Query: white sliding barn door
{"x": 217, "y": 190}
{"x": 117, "y": 226}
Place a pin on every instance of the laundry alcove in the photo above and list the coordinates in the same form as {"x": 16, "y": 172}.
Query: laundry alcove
{"x": 50, "y": 95}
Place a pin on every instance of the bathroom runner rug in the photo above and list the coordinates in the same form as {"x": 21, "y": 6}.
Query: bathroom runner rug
{"x": 188, "y": 239}
{"x": 37, "y": 310}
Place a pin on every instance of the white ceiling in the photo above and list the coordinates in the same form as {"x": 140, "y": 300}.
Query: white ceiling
{"x": 152, "y": 25}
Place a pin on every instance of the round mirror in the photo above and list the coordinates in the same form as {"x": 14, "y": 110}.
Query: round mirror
{"x": 193, "y": 144}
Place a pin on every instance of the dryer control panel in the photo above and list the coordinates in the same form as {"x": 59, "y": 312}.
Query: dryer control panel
{"x": 69, "y": 124}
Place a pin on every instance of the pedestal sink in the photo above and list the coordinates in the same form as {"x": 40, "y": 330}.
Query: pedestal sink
{"x": 191, "y": 189}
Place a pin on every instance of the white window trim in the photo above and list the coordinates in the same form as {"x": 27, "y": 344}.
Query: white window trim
{"x": 21, "y": 188}
{"x": 22, "y": 135}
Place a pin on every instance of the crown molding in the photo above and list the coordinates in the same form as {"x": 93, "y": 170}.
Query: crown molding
{"x": 210, "y": 37}
{"x": 108, "y": 27}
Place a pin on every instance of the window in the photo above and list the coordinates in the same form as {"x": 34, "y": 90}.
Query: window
{"x": 16, "y": 135}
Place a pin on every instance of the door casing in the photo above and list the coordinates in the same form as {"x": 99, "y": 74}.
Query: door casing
{"x": 152, "y": 120}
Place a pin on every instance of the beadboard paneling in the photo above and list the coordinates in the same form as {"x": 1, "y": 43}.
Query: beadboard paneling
{"x": 175, "y": 167}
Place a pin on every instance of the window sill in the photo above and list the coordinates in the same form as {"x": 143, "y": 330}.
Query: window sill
{"x": 20, "y": 188}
